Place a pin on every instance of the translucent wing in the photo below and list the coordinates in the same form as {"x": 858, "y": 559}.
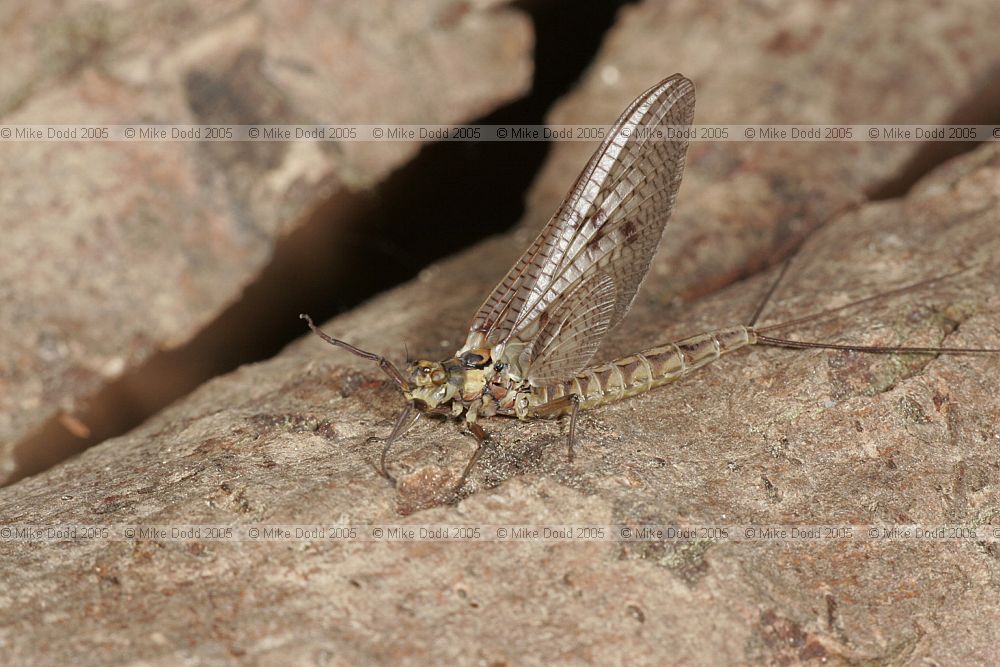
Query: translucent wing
{"x": 570, "y": 331}
{"x": 610, "y": 223}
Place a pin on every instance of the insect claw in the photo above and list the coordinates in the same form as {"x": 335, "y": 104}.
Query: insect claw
{"x": 382, "y": 472}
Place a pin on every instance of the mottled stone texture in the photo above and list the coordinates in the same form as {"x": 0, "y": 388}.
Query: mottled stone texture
{"x": 113, "y": 251}
{"x": 763, "y": 436}
{"x": 777, "y": 62}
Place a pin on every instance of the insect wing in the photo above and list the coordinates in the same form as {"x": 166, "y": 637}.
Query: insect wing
{"x": 610, "y": 223}
{"x": 571, "y": 331}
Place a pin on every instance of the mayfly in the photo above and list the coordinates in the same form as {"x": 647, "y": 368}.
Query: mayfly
{"x": 529, "y": 346}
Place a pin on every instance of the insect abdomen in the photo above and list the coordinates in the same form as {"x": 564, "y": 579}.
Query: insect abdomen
{"x": 638, "y": 373}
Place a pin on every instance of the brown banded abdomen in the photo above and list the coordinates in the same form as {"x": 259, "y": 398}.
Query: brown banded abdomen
{"x": 638, "y": 373}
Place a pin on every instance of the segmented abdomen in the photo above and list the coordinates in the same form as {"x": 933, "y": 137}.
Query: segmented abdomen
{"x": 638, "y": 373}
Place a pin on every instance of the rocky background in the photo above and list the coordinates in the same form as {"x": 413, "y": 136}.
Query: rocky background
{"x": 117, "y": 256}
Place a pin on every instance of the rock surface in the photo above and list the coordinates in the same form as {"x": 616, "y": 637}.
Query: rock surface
{"x": 776, "y": 63}
{"x": 113, "y": 251}
{"x": 766, "y": 436}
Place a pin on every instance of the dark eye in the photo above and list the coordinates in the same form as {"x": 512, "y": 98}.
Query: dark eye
{"x": 473, "y": 360}
{"x": 498, "y": 367}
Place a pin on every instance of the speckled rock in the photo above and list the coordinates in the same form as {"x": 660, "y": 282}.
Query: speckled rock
{"x": 767, "y": 436}
{"x": 113, "y": 251}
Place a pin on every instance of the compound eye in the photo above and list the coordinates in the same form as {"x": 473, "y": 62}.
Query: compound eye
{"x": 474, "y": 359}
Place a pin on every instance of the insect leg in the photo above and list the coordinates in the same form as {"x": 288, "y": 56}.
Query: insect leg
{"x": 483, "y": 440}
{"x": 406, "y": 419}
{"x": 571, "y": 438}
{"x": 559, "y": 406}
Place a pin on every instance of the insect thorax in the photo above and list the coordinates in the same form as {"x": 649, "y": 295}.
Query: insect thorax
{"x": 477, "y": 381}
{"x": 457, "y": 382}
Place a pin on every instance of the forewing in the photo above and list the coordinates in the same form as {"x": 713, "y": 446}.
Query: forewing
{"x": 570, "y": 331}
{"x": 611, "y": 222}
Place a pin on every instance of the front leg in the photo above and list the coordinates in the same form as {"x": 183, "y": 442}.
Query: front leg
{"x": 406, "y": 419}
{"x": 484, "y": 440}
{"x": 403, "y": 424}
{"x": 559, "y": 406}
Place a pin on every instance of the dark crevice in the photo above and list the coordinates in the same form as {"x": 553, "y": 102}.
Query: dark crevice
{"x": 354, "y": 246}
{"x": 980, "y": 108}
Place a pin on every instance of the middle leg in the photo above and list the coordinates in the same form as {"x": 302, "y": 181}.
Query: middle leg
{"x": 571, "y": 403}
